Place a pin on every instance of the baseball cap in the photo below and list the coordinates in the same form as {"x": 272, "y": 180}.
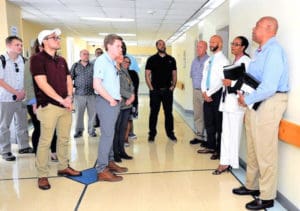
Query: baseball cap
{"x": 46, "y": 33}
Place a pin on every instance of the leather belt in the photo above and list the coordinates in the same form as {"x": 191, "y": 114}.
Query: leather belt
{"x": 281, "y": 92}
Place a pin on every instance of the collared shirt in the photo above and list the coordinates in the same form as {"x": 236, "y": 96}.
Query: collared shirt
{"x": 83, "y": 78}
{"x": 216, "y": 74}
{"x": 56, "y": 71}
{"x": 196, "y": 72}
{"x": 161, "y": 70}
{"x": 10, "y": 76}
{"x": 270, "y": 67}
{"x": 105, "y": 69}
{"x": 133, "y": 63}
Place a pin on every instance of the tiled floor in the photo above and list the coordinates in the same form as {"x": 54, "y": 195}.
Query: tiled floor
{"x": 162, "y": 176}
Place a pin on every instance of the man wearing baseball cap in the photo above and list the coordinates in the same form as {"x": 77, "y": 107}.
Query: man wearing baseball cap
{"x": 53, "y": 89}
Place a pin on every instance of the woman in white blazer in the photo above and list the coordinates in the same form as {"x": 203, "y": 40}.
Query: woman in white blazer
{"x": 233, "y": 114}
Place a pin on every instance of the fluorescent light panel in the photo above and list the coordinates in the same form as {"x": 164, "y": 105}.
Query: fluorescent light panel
{"x": 120, "y": 34}
{"x": 108, "y": 19}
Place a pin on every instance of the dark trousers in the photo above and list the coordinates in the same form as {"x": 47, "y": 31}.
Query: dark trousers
{"x": 37, "y": 132}
{"x": 164, "y": 96}
{"x": 213, "y": 121}
{"x": 120, "y": 129}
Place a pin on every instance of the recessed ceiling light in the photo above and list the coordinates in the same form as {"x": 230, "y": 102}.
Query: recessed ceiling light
{"x": 108, "y": 19}
{"x": 120, "y": 34}
{"x": 150, "y": 12}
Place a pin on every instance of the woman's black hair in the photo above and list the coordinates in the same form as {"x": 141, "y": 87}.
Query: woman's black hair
{"x": 245, "y": 43}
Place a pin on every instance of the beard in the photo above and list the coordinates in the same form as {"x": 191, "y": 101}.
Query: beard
{"x": 214, "y": 49}
{"x": 163, "y": 50}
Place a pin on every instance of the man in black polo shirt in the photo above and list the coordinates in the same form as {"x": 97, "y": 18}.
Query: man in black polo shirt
{"x": 161, "y": 78}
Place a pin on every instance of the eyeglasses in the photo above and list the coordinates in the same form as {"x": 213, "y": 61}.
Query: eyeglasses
{"x": 235, "y": 44}
{"x": 127, "y": 62}
{"x": 54, "y": 38}
{"x": 16, "y": 67}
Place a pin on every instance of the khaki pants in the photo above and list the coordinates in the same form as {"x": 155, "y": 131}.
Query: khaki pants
{"x": 198, "y": 113}
{"x": 262, "y": 145}
{"x": 53, "y": 117}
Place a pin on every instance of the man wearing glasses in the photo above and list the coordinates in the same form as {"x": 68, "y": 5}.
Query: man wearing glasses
{"x": 53, "y": 89}
{"x": 11, "y": 96}
{"x": 82, "y": 74}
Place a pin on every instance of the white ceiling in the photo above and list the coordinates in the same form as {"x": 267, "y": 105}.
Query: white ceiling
{"x": 153, "y": 19}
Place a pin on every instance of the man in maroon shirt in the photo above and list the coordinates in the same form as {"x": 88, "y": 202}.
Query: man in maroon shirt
{"x": 53, "y": 89}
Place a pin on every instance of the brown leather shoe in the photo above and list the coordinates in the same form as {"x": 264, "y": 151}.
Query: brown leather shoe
{"x": 68, "y": 172}
{"x": 43, "y": 183}
{"x": 108, "y": 176}
{"x": 115, "y": 168}
{"x": 205, "y": 151}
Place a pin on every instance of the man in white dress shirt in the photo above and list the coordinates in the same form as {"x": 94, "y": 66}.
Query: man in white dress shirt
{"x": 211, "y": 87}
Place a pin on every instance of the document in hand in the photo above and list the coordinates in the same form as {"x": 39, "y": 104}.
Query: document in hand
{"x": 249, "y": 85}
{"x": 234, "y": 72}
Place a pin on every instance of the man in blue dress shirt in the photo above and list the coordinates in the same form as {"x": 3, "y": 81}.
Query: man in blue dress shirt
{"x": 269, "y": 66}
{"x": 196, "y": 75}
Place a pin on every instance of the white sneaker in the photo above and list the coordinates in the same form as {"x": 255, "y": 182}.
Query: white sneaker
{"x": 132, "y": 136}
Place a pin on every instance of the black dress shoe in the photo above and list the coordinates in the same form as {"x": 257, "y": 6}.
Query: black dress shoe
{"x": 8, "y": 156}
{"x": 172, "y": 137}
{"x": 245, "y": 191}
{"x": 78, "y": 134}
{"x": 195, "y": 141}
{"x": 93, "y": 134}
{"x": 125, "y": 156}
{"x": 117, "y": 159}
{"x": 215, "y": 156}
{"x": 26, "y": 150}
{"x": 151, "y": 138}
{"x": 258, "y": 204}
{"x": 204, "y": 144}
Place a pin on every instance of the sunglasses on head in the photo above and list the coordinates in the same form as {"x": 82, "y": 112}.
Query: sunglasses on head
{"x": 16, "y": 67}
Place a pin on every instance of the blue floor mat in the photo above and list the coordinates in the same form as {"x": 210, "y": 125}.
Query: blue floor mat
{"x": 88, "y": 176}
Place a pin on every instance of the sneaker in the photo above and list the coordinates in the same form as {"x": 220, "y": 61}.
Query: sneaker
{"x": 26, "y": 150}
{"x": 172, "y": 138}
{"x": 126, "y": 144}
{"x": 78, "y": 134}
{"x": 132, "y": 136}
{"x": 8, "y": 156}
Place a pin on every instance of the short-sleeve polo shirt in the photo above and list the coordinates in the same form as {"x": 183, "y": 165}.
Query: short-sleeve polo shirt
{"x": 56, "y": 71}
{"x": 105, "y": 69}
{"x": 13, "y": 75}
{"x": 161, "y": 70}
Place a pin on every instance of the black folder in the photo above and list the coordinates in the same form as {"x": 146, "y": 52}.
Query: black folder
{"x": 234, "y": 72}
{"x": 251, "y": 81}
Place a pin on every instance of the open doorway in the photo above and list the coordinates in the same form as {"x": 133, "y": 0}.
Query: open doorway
{"x": 224, "y": 33}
